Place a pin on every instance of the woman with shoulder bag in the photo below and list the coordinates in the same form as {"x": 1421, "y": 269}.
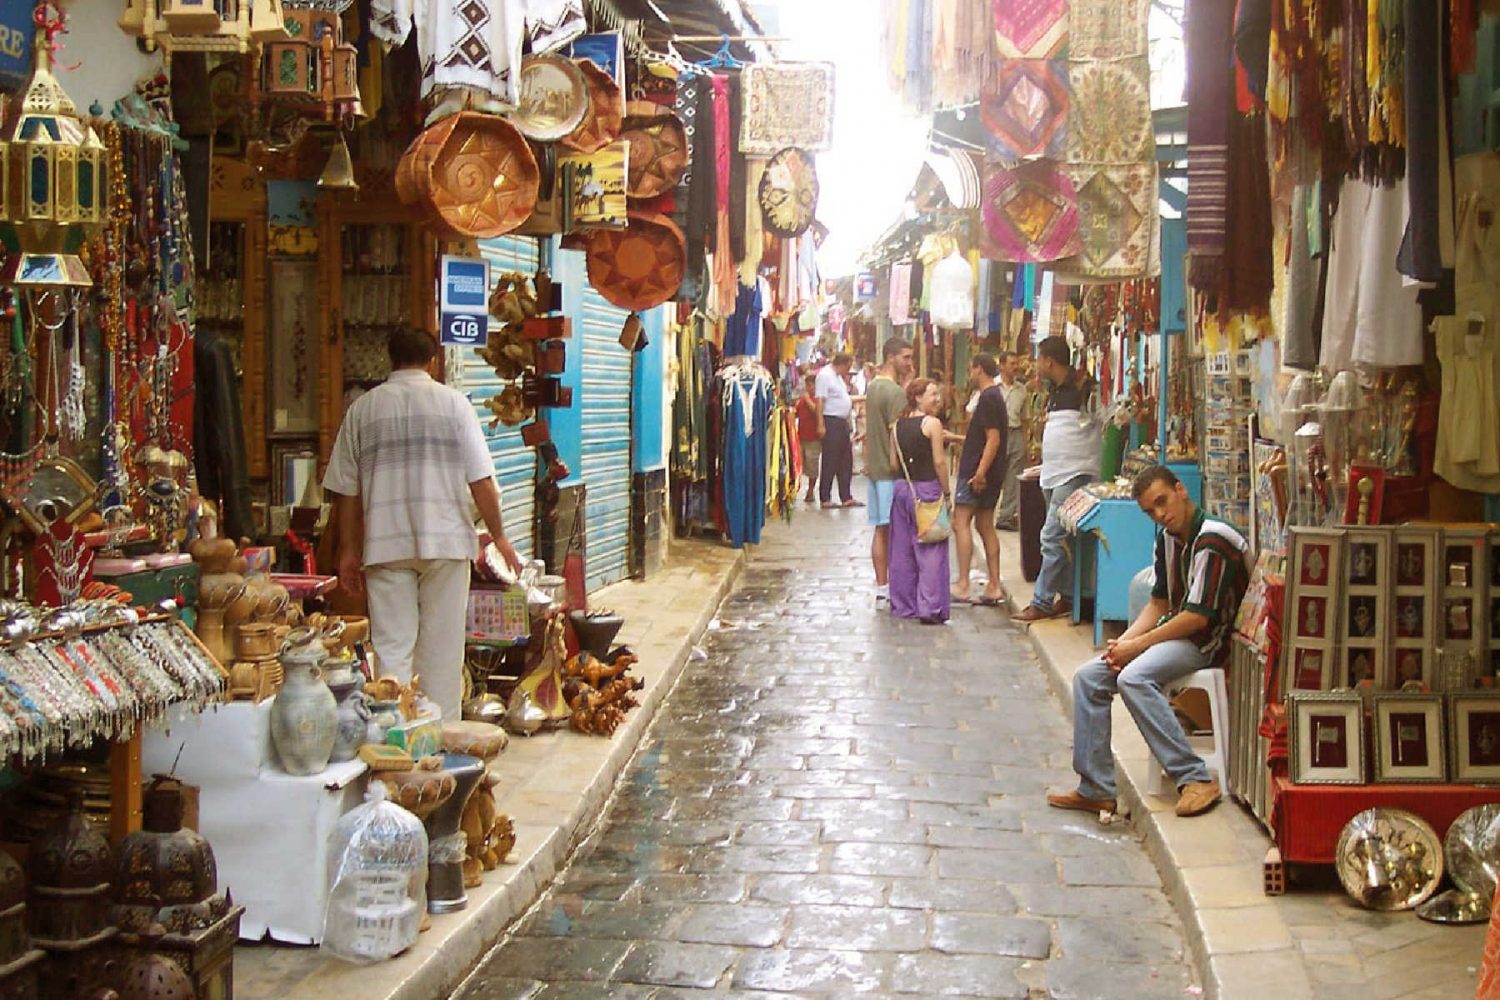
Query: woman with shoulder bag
{"x": 921, "y": 509}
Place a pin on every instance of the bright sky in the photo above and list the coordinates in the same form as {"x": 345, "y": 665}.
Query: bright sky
{"x": 877, "y": 147}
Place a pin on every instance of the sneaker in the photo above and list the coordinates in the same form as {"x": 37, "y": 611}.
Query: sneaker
{"x": 1082, "y": 803}
{"x": 1197, "y": 797}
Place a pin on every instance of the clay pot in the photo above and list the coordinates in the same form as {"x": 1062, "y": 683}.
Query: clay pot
{"x": 304, "y": 716}
{"x": 353, "y": 718}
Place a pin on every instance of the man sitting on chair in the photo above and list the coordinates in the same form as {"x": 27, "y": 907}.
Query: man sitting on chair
{"x": 1201, "y": 575}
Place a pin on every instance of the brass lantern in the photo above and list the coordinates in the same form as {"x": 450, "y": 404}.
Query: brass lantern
{"x": 54, "y": 178}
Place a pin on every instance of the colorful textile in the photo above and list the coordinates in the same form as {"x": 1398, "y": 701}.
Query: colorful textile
{"x": 787, "y": 104}
{"x": 1117, "y": 210}
{"x": 900, "y": 303}
{"x": 1030, "y": 29}
{"x": 1030, "y": 213}
{"x": 1024, "y": 107}
{"x": 1109, "y": 29}
{"x": 1207, "y": 42}
{"x": 1109, "y": 120}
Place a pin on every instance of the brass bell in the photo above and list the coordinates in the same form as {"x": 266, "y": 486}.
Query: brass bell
{"x": 338, "y": 175}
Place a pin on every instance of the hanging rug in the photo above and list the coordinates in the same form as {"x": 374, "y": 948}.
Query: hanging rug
{"x": 786, "y": 104}
{"x": 1024, "y": 107}
{"x": 601, "y": 123}
{"x": 1117, "y": 210}
{"x": 789, "y": 193}
{"x": 1030, "y": 213}
{"x": 641, "y": 266}
{"x": 1030, "y": 29}
{"x": 658, "y": 149}
{"x": 1108, "y": 29}
{"x": 1109, "y": 120}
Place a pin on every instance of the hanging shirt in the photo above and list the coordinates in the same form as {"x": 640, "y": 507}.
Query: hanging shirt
{"x": 743, "y": 333}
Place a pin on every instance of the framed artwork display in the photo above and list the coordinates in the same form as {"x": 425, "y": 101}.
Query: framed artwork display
{"x": 292, "y": 347}
{"x": 1326, "y": 733}
{"x": 1464, "y": 619}
{"x": 1474, "y": 737}
{"x": 294, "y": 466}
{"x": 1364, "y": 633}
{"x": 1409, "y": 738}
{"x": 1414, "y": 564}
{"x": 1315, "y": 602}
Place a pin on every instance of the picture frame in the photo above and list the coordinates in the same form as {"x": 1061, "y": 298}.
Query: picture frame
{"x": 293, "y": 350}
{"x": 293, "y": 465}
{"x": 1474, "y": 737}
{"x": 1326, "y": 737}
{"x": 1410, "y": 738}
{"x": 1314, "y": 602}
{"x": 1365, "y": 626}
{"x": 1415, "y": 664}
{"x": 1463, "y": 625}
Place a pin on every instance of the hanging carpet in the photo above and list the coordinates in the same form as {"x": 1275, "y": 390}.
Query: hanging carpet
{"x": 1030, "y": 213}
{"x": 786, "y": 104}
{"x": 1024, "y": 107}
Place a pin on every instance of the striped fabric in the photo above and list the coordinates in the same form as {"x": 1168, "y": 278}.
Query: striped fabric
{"x": 1207, "y": 574}
{"x": 409, "y": 449}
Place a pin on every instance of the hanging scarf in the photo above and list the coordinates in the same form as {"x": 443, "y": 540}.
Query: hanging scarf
{"x": 1208, "y": 42}
{"x": 1420, "y": 256}
{"x": 737, "y": 171}
{"x": 723, "y": 271}
{"x": 1247, "y": 263}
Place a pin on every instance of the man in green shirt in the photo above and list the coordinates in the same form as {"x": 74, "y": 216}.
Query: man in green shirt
{"x": 885, "y": 398}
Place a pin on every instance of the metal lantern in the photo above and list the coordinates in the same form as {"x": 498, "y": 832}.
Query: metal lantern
{"x": 92, "y": 167}
{"x": 191, "y": 17}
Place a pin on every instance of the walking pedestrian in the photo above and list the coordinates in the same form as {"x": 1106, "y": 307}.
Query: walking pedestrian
{"x": 1015, "y": 440}
{"x": 1070, "y": 461}
{"x": 885, "y": 400}
{"x": 919, "y": 570}
{"x": 981, "y": 469}
{"x": 834, "y": 409}
{"x": 808, "y": 435}
{"x": 409, "y": 459}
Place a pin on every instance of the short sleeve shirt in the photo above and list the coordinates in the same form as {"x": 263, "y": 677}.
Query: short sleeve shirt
{"x": 1207, "y": 575}
{"x": 884, "y": 401}
{"x": 989, "y": 414}
{"x": 830, "y": 388}
{"x": 409, "y": 450}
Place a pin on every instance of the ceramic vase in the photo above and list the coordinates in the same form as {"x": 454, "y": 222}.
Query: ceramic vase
{"x": 304, "y": 716}
{"x": 353, "y": 718}
{"x": 445, "y": 875}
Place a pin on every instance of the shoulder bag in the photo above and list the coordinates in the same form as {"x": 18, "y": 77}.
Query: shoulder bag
{"x": 934, "y": 520}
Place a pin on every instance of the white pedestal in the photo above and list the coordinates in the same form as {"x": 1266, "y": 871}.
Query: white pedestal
{"x": 270, "y": 831}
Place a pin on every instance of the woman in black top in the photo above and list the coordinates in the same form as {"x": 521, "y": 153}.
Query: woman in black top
{"x": 919, "y": 570}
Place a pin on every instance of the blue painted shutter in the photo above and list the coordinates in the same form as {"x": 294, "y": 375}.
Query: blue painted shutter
{"x": 515, "y": 463}
{"x": 606, "y": 439}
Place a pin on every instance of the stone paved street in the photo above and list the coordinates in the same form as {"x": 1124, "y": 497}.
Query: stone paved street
{"x": 834, "y": 803}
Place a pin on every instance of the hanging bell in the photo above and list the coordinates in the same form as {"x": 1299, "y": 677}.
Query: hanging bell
{"x": 338, "y": 175}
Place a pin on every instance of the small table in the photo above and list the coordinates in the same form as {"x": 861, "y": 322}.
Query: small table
{"x": 1112, "y": 543}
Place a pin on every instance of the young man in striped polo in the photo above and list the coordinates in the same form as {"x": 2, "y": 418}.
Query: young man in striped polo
{"x": 1201, "y": 574}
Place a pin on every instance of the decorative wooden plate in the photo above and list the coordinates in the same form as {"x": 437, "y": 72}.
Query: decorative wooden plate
{"x": 472, "y": 173}
{"x": 554, "y": 97}
{"x": 601, "y": 125}
{"x": 641, "y": 266}
{"x": 789, "y": 193}
{"x": 658, "y": 149}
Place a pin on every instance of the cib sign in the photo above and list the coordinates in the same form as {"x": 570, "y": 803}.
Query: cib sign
{"x": 463, "y": 301}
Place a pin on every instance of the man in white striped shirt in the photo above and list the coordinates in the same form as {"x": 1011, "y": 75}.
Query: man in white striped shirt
{"x": 409, "y": 459}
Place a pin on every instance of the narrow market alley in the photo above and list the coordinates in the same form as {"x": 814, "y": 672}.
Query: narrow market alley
{"x": 835, "y": 803}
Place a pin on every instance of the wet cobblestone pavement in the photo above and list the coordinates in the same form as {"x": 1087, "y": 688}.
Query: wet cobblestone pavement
{"x": 834, "y": 803}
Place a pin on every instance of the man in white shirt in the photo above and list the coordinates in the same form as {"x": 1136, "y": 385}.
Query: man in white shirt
{"x": 834, "y": 409}
{"x": 409, "y": 459}
{"x": 1071, "y": 441}
{"x": 1016, "y": 395}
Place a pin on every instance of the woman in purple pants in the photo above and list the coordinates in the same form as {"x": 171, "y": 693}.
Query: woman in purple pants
{"x": 919, "y": 570}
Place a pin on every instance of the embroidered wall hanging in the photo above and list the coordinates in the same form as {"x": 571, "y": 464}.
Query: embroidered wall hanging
{"x": 1030, "y": 213}
{"x": 1108, "y": 29}
{"x": 787, "y": 104}
{"x": 1109, "y": 120}
{"x": 1030, "y": 29}
{"x": 1024, "y": 107}
{"x": 1117, "y": 213}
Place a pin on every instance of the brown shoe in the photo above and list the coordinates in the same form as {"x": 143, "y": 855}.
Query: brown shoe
{"x": 1032, "y": 613}
{"x": 1197, "y": 797}
{"x": 1073, "y": 800}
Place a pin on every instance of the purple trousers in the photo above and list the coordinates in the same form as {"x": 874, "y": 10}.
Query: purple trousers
{"x": 919, "y": 571}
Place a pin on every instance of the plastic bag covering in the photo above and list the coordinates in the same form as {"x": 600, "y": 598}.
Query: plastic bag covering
{"x": 379, "y": 890}
{"x": 449, "y": 850}
{"x": 953, "y": 293}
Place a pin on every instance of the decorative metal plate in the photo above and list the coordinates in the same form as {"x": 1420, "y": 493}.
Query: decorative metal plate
{"x": 1389, "y": 859}
{"x": 554, "y": 98}
{"x": 1472, "y": 850}
{"x": 1455, "y": 907}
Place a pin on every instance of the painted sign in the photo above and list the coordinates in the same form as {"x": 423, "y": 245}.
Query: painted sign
{"x": 464, "y": 284}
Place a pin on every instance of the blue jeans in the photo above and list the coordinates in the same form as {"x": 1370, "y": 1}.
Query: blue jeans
{"x": 1056, "y": 577}
{"x": 1139, "y": 685}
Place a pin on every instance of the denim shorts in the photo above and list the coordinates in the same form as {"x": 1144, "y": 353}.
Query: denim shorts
{"x": 985, "y": 501}
{"x": 879, "y": 504}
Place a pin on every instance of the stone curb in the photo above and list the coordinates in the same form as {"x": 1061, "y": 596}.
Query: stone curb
{"x": 580, "y": 775}
{"x": 1265, "y": 964}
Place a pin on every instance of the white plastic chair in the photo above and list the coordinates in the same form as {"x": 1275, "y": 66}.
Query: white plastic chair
{"x": 1212, "y": 748}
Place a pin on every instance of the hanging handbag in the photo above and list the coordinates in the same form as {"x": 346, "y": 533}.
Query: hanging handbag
{"x": 934, "y": 519}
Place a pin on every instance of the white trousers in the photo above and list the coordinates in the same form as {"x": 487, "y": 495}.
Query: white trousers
{"x": 418, "y": 610}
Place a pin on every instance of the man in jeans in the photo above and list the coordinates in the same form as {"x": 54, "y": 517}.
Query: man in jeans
{"x": 1201, "y": 574}
{"x": 834, "y": 409}
{"x": 1071, "y": 441}
{"x": 1015, "y": 440}
{"x": 885, "y": 400}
